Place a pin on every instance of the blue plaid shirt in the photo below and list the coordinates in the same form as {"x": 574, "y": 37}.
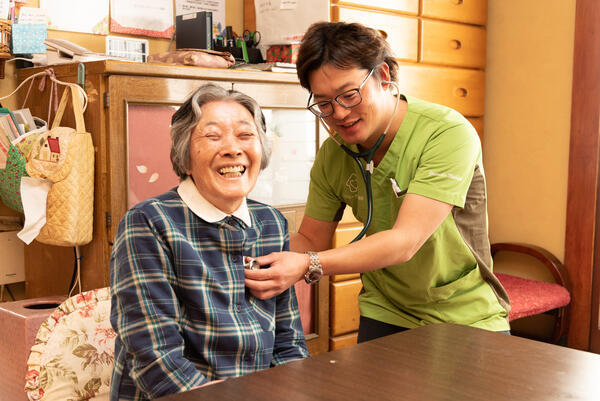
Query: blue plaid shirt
{"x": 179, "y": 305}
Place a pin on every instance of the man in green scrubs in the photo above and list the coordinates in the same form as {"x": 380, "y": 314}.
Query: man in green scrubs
{"x": 426, "y": 257}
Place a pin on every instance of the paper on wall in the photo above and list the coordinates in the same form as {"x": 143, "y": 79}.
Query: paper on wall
{"x": 288, "y": 4}
{"x": 283, "y": 22}
{"x": 89, "y": 16}
{"x": 142, "y": 17}
{"x": 32, "y": 15}
{"x": 217, "y": 7}
{"x": 4, "y": 9}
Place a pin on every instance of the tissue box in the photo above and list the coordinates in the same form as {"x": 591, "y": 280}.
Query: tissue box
{"x": 19, "y": 323}
{"x": 28, "y": 38}
{"x": 284, "y": 53}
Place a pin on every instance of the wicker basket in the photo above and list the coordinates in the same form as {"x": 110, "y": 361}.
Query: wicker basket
{"x": 5, "y": 34}
{"x": 5, "y": 28}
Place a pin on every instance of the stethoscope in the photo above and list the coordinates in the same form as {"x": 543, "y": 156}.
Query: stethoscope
{"x": 370, "y": 165}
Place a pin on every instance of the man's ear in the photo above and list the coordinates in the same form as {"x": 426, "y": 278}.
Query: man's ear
{"x": 384, "y": 75}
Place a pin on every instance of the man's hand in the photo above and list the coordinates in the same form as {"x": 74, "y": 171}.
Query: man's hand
{"x": 286, "y": 268}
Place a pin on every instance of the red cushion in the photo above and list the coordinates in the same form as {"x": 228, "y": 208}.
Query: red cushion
{"x": 531, "y": 297}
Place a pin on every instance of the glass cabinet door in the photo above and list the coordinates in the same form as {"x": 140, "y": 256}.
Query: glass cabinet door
{"x": 285, "y": 180}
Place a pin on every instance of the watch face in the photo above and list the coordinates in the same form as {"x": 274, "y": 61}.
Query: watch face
{"x": 313, "y": 275}
{"x": 315, "y": 271}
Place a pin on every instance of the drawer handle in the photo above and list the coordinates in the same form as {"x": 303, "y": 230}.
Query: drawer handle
{"x": 455, "y": 44}
{"x": 461, "y": 92}
{"x": 458, "y": 2}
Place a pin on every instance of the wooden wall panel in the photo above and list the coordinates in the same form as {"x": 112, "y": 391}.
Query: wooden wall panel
{"x": 580, "y": 240}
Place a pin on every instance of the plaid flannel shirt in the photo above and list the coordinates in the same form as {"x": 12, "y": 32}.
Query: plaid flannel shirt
{"x": 179, "y": 305}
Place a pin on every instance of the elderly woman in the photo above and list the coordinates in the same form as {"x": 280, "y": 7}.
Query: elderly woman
{"x": 179, "y": 304}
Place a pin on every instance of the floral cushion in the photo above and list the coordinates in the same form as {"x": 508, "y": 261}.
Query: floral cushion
{"x": 73, "y": 353}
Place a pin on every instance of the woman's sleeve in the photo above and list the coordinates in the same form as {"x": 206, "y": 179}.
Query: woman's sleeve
{"x": 145, "y": 310}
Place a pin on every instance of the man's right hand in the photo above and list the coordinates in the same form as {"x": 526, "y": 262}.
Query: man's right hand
{"x": 286, "y": 268}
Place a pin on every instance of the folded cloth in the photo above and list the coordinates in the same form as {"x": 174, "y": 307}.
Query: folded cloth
{"x": 195, "y": 57}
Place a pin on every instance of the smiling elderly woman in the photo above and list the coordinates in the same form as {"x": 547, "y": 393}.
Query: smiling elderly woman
{"x": 179, "y": 305}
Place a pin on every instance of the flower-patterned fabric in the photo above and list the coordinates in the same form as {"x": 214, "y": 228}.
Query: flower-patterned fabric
{"x": 73, "y": 353}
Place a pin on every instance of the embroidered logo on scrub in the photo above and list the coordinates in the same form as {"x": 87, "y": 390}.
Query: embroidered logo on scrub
{"x": 352, "y": 183}
{"x": 449, "y": 175}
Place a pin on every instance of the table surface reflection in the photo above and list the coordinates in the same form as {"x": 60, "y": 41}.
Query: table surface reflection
{"x": 436, "y": 362}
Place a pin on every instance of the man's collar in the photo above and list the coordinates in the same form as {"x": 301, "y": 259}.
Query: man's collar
{"x": 204, "y": 209}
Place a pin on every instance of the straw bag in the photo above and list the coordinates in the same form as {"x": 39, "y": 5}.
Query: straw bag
{"x": 65, "y": 156}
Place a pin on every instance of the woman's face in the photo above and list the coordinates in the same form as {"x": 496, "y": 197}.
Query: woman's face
{"x": 359, "y": 124}
{"x": 225, "y": 154}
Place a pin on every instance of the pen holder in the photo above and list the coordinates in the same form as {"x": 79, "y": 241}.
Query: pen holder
{"x": 254, "y": 55}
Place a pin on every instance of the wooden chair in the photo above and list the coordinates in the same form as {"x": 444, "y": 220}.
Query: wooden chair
{"x": 531, "y": 297}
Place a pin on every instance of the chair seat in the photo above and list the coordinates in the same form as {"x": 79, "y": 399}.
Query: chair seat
{"x": 531, "y": 297}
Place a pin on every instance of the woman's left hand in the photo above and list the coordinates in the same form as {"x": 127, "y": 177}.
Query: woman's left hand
{"x": 285, "y": 269}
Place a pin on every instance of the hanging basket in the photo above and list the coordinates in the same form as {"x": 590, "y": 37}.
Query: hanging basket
{"x": 5, "y": 34}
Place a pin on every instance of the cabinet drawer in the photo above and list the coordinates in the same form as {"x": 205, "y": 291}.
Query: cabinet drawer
{"x": 470, "y": 11}
{"x": 460, "y": 89}
{"x": 405, "y": 6}
{"x": 344, "y": 277}
{"x": 402, "y": 32}
{"x": 345, "y": 233}
{"x": 452, "y": 44}
{"x": 339, "y": 342}
{"x": 344, "y": 315}
{"x": 477, "y": 123}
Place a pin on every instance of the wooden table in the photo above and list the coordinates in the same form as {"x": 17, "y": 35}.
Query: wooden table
{"x": 437, "y": 362}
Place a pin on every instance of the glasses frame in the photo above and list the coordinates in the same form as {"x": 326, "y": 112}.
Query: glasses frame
{"x": 309, "y": 106}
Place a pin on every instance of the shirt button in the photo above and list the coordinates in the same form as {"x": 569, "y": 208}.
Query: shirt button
{"x": 238, "y": 307}
{"x": 236, "y": 258}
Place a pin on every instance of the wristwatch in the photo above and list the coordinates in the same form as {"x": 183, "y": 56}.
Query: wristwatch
{"x": 315, "y": 270}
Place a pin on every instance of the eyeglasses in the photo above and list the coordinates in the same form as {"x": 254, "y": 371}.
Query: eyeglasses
{"x": 347, "y": 99}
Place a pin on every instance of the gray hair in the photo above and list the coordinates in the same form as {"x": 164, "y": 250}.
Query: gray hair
{"x": 187, "y": 117}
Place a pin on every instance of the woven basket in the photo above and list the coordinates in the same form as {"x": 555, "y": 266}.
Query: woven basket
{"x": 5, "y": 29}
{"x": 5, "y": 33}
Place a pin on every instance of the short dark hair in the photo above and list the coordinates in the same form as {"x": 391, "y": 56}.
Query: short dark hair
{"x": 344, "y": 45}
{"x": 188, "y": 115}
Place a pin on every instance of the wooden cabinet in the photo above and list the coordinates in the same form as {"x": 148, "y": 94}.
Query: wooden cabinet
{"x": 402, "y": 32}
{"x": 467, "y": 11}
{"x": 128, "y": 115}
{"x": 447, "y": 43}
{"x": 440, "y": 46}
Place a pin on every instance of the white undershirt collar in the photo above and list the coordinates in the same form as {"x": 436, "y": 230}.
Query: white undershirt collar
{"x": 204, "y": 209}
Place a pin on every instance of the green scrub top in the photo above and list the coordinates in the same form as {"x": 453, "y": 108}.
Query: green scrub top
{"x": 436, "y": 153}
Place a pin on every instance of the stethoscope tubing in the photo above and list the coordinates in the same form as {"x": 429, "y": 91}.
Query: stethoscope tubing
{"x": 368, "y": 156}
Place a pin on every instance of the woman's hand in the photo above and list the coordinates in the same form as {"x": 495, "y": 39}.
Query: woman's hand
{"x": 285, "y": 269}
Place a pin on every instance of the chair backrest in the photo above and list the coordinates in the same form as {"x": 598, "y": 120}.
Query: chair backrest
{"x": 73, "y": 353}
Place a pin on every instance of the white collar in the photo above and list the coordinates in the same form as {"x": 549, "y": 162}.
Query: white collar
{"x": 204, "y": 209}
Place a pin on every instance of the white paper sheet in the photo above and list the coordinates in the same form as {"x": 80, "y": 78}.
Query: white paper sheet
{"x": 142, "y": 17}
{"x": 217, "y": 7}
{"x": 4, "y": 9}
{"x": 283, "y": 22}
{"x": 89, "y": 16}
{"x": 32, "y": 15}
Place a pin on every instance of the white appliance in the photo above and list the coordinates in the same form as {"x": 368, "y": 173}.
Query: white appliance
{"x": 12, "y": 260}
